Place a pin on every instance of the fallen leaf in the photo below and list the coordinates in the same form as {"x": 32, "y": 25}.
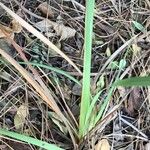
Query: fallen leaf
{"x": 63, "y": 31}
{"x": 6, "y": 31}
{"x": 46, "y": 9}
{"x": 102, "y": 145}
{"x": 20, "y": 116}
{"x": 136, "y": 49}
{"x": 45, "y": 25}
{"x": 16, "y": 27}
{"x": 134, "y": 102}
{"x": 9, "y": 32}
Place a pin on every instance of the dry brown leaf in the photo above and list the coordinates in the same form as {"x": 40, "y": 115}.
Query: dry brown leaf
{"x": 63, "y": 31}
{"x": 102, "y": 145}
{"x": 134, "y": 102}
{"x": 46, "y": 9}
{"x": 16, "y": 27}
{"x": 9, "y": 32}
{"x": 20, "y": 116}
{"x": 6, "y": 31}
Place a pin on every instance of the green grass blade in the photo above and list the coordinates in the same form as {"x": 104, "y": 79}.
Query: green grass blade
{"x": 53, "y": 69}
{"x": 134, "y": 81}
{"x": 103, "y": 106}
{"x": 89, "y": 117}
{"x": 122, "y": 65}
{"x": 89, "y": 112}
{"x": 29, "y": 140}
{"x": 85, "y": 99}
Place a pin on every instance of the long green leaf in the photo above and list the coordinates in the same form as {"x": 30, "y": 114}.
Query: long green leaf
{"x": 92, "y": 105}
{"x": 29, "y": 140}
{"x": 85, "y": 99}
{"x": 134, "y": 81}
{"x": 89, "y": 123}
{"x": 53, "y": 69}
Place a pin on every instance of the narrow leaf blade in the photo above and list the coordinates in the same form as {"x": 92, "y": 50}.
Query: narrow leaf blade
{"x": 134, "y": 81}
{"x": 29, "y": 140}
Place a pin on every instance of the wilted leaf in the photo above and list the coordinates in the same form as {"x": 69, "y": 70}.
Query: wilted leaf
{"x": 102, "y": 145}
{"x": 63, "y": 31}
{"x": 20, "y": 116}
{"x": 45, "y": 8}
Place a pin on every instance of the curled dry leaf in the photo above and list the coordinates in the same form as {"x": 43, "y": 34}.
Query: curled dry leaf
{"x": 46, "y": 9}
{"x": 63, "y": 31}
{"x": 102, "y": 145}
{"x": 20, "y": 116}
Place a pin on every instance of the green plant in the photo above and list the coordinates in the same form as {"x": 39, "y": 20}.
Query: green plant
{"x": 55, "y": 70}
{"x": 134, "y": 81}
{"x": 88, "y": 117}
{"x": 85, "y": 99}
{"x": 29, "y": 140}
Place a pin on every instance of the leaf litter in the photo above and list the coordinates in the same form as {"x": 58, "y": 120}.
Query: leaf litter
{"x": 61, "y": 30}
{"x": 62, "y": 20}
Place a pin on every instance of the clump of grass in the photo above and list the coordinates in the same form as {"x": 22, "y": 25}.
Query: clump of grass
{"x": 87, "y": 119}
